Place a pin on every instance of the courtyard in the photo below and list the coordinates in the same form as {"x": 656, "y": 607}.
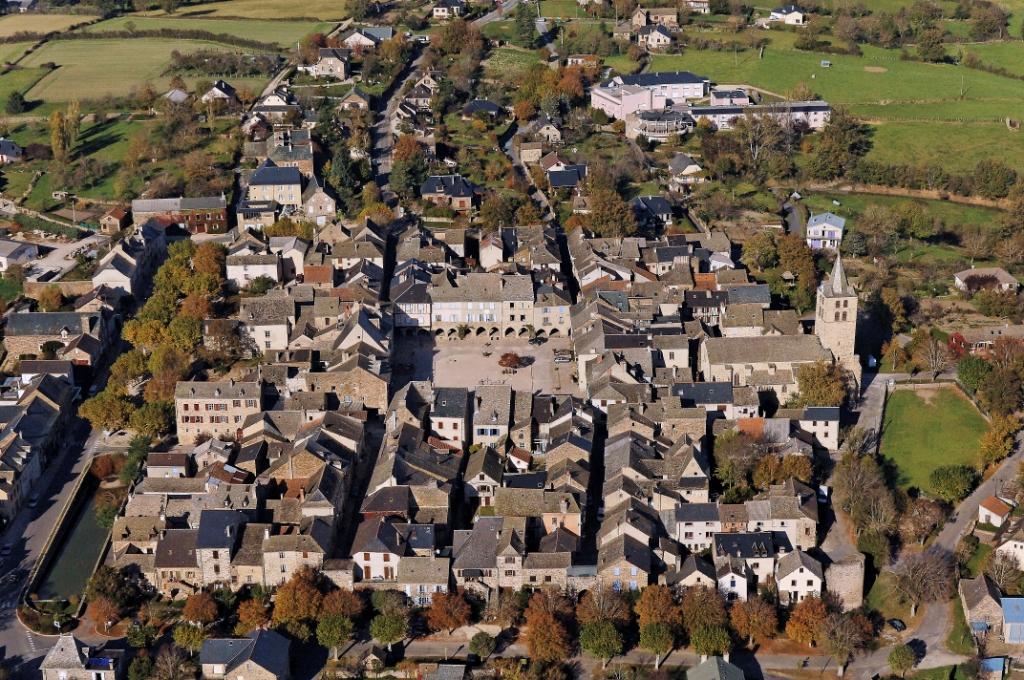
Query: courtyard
{"x": 472, "y": 362}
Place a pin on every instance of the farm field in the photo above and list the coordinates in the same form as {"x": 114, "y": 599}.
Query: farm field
{"x": 11, "y": 51}
{"x": 93, "y": 68}
{"x": 20, "y": 80}
{"x": 926, "y": 430}
{"x": 621, "y": 63}
{"x": 39, "y": 23}
{"x": 505, "y": 62}
{"x": 323, "y": 10}
{"x": 1008, "y": 54}
{"x": 282, "y": 33}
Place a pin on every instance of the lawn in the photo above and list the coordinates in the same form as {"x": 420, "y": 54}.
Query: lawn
{"x": 977, "y": 561}
{"x": 39, "y": 23}
{"x": 93, "y": 68}
{"x": 282, "y": 33}
{"x": 323, "y": 10}
{"x": 882, "y": 598}
{"x": 507, "y": 63}
{"x": 621, "y": 63}
{"x": 921, "y": 433}
{"x": 559, "y": 8}
{"x": 953, "y": 146}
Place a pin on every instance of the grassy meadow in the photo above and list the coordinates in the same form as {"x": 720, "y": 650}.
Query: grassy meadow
{"x": 93, "y": 68}
{"x": 282, "y": 33}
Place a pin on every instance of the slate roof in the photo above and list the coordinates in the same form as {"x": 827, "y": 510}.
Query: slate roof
{"x": 219, "y": 528}
{"x": 176, "y": 549}
{"x": 269, "y": 174}
{"x": 766, "y": 349}
{"x": 267, "y": 649}
{"x": 715, "y": 668}
{"x": 455, "y": 186}
{"x": 450, "y": 402}
{"x": 791, "y": 562}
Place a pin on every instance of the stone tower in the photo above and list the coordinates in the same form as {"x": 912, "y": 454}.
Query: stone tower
{"x": 835, "y": 319}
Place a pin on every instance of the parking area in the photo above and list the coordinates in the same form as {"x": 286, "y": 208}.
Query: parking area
{"x": 473, "y": 362}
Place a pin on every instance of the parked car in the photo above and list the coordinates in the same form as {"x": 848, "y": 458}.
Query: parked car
{"x": 563, "y": 359}
{"x": 897, "y": 625}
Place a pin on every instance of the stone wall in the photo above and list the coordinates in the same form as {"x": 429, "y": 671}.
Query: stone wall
{"x": 845, "y": 579}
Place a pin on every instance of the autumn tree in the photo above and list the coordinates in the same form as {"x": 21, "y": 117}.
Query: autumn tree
{"x": 610, "y": 216}
{"x": 919, "y": 519}
{"x": 841, "y": 636}
{"x": 754, "y": 619}
{"x": 924, "y": 577}
{"x": 200, "y": 609}
{"x": 106, "y": 411}
{"x": 172, "y": 664}
{"x": 1004, "y": 571}
{"x": 297, "y": 603}
{"x": 547, "y": 637}
{"x": 50, "y": 298}
{"x": 602, "y": 639}
{"x": 448, "y": 611}
{"x": 998, "y": 440}
{"x": 822, "y": 383}
{"x": 482, "y": 645}
{"x": 105, "y": 611}
{"x": 1000, "y": 391}
{"x": 344, "y": 603}
{"x": 702, "y": 608}
{"x": 901, "y": 659}
{"x": 952, "y": 483}
{"x": 657, "y": 605}
{"x": 933, "y": 354}
{"x": 252, "y": 615}
{"x": 804, "y": 624}
{"x": 760, "y": 251}
{"x": 602, "y": 604}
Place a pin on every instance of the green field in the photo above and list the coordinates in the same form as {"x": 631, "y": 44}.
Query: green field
{"x": 921, "y": 434}
{"x": 39, "y": 23}
{"x": 324, "y": 10}
{"x": 852, "y": 205}
{"x": 283, "y": 33}
{"x": 11, "y": 51}
{"x": 901, "y": 98}
{"x": 508, "y": 62}
{"x": 1008, "y": 54}
{"x": 20, "y": 79}
{"x": 93, "y": 68}
{"x": 560, "y": 8}
{"x": 621, "y": 63}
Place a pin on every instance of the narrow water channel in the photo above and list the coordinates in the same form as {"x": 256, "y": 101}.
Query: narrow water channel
{"x": 76, "y": 552}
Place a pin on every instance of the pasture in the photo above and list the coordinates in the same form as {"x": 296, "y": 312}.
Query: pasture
{"x": 12, "y": 24}
{"x": 282, "y": 33}
{"x": 88, "y": 69}
{"x": 560, "y": 9}
{"x": 322, "y": 10}
{"x": 11, "y": 51}
{"x": 936, "y": 113}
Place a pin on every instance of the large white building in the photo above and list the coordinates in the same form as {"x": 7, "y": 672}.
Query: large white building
{"x": 623, "y": 95}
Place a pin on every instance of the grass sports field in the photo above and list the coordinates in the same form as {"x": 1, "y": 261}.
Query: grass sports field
{"x": 94, "y": 68}
{"x": 283, "y": 33}
{"x": 39, "y": 23}
{"x": 324, "y": 10}
{"x": 926, "y": 430}
{"x": 560, "y": 8}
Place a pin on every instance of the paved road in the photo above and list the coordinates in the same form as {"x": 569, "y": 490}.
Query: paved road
{"x": 496, "y": 14}
{"x": 384, "y": 128}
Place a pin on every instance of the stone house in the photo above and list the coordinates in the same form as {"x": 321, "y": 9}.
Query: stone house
{"x": 483, "y": 475}
{"x": 981, "y": 603}
{"x": 215, "y": 408}
{"x": 624, "y": 564}
{"x": 70, "y": 659}
{"x": 261, "y": 655}
{"x": 27, "y": 332}
{"x": 331, "y": 63}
